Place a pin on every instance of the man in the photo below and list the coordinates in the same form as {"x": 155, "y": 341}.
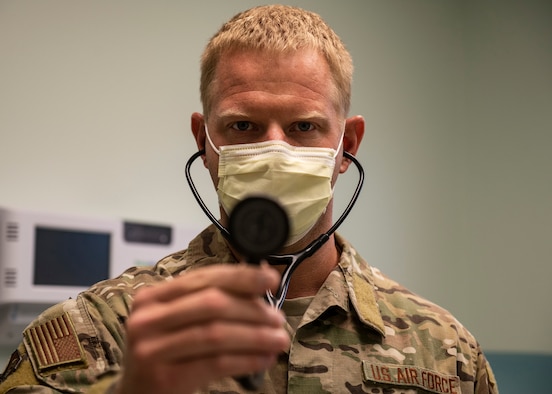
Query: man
{"x": 275, "y": 89}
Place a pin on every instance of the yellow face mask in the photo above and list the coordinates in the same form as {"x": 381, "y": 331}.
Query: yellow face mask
{"x": 299, "y": 178}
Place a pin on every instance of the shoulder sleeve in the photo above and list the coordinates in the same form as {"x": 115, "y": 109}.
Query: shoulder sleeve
{"x": 69, "y": 347}
{"x": 19, "y": 374}
{"x": 76, "y": 346}
{"x": 485, "y": 382}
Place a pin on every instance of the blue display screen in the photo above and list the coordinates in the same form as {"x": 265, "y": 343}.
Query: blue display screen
{"x": 70, "y": 258}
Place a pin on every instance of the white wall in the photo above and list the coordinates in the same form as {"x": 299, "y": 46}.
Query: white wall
{"x": 507, "y": 169}
{"x": 95, "y": 99}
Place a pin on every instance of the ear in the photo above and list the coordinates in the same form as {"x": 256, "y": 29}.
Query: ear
{"x": 354, "y": 131}
{"x": 198, "y": 130}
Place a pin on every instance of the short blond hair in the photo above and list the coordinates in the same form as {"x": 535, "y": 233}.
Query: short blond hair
{"x": 278, "y": 29}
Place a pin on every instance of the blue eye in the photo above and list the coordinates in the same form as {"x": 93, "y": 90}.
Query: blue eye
{"x": 304, "y": 126}
{"x": 241, "y": 125}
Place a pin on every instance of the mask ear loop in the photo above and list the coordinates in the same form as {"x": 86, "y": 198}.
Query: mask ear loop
{"x": 291, "y": 261}
{"x": 217, "y": 151}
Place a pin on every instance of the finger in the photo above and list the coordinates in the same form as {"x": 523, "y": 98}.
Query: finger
{"x": 228, "y": 365}
{"x": 212, "y": 340}
{"x": 236, "y": 278}
{"x": 199, "y": 308}
{"x": 188, "y": 377}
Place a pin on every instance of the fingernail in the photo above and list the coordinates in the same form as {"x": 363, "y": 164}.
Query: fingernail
{"x": 282, "y": 338}
{"x": 277, "y": 317}
{"x": 270, "y": 276}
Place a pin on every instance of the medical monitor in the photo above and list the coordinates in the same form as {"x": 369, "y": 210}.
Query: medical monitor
{"x": 47, "y": 258}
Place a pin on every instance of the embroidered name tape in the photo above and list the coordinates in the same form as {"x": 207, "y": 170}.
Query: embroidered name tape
{"x": 55, "y": 343}
{"x": 407, "y": 375}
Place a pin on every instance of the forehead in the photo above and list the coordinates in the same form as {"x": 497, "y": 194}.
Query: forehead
{"x": 248, "y": 76}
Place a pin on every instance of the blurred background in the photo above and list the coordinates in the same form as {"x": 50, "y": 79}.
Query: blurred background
{"x": 95, "y": 104}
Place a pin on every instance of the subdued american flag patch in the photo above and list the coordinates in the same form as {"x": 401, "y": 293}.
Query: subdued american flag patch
{"x": 55, "y": 343}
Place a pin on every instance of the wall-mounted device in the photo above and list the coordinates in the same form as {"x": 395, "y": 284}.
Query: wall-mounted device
{"x": 46, "y": 258}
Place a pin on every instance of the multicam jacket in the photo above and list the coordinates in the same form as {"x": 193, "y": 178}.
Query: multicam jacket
{"x": 362, "y": 333}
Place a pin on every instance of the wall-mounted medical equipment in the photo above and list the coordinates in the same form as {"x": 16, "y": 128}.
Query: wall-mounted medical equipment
{"x": 46, "y": 258}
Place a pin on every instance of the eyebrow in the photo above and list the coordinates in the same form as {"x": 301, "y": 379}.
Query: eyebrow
{"x": 305, "y": 116}
{"x": 232, "y": 114}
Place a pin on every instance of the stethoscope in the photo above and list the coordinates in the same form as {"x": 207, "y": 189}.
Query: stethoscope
{"x": 291, "y": 261}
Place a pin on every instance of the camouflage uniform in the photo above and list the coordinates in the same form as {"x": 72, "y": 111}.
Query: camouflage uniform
{"x": 362, "y": 333}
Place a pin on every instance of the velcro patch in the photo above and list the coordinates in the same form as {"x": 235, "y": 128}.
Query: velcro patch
{"x": 55, "y": 343}
{"x": 408, "y": 375}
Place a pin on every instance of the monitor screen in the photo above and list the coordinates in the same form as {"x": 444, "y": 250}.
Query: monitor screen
{"x": 70, "y": 258}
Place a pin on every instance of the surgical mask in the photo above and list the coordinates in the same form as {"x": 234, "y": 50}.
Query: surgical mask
{"x": 299, "y": 178}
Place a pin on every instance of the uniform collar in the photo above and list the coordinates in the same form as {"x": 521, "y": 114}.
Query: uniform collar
{"x": 349, "y": 286}
{"x": 359, "y": 285}
{"x": 209, "y": 247}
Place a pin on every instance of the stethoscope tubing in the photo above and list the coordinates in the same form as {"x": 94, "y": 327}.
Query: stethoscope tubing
{"x": 291, "y": 261}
